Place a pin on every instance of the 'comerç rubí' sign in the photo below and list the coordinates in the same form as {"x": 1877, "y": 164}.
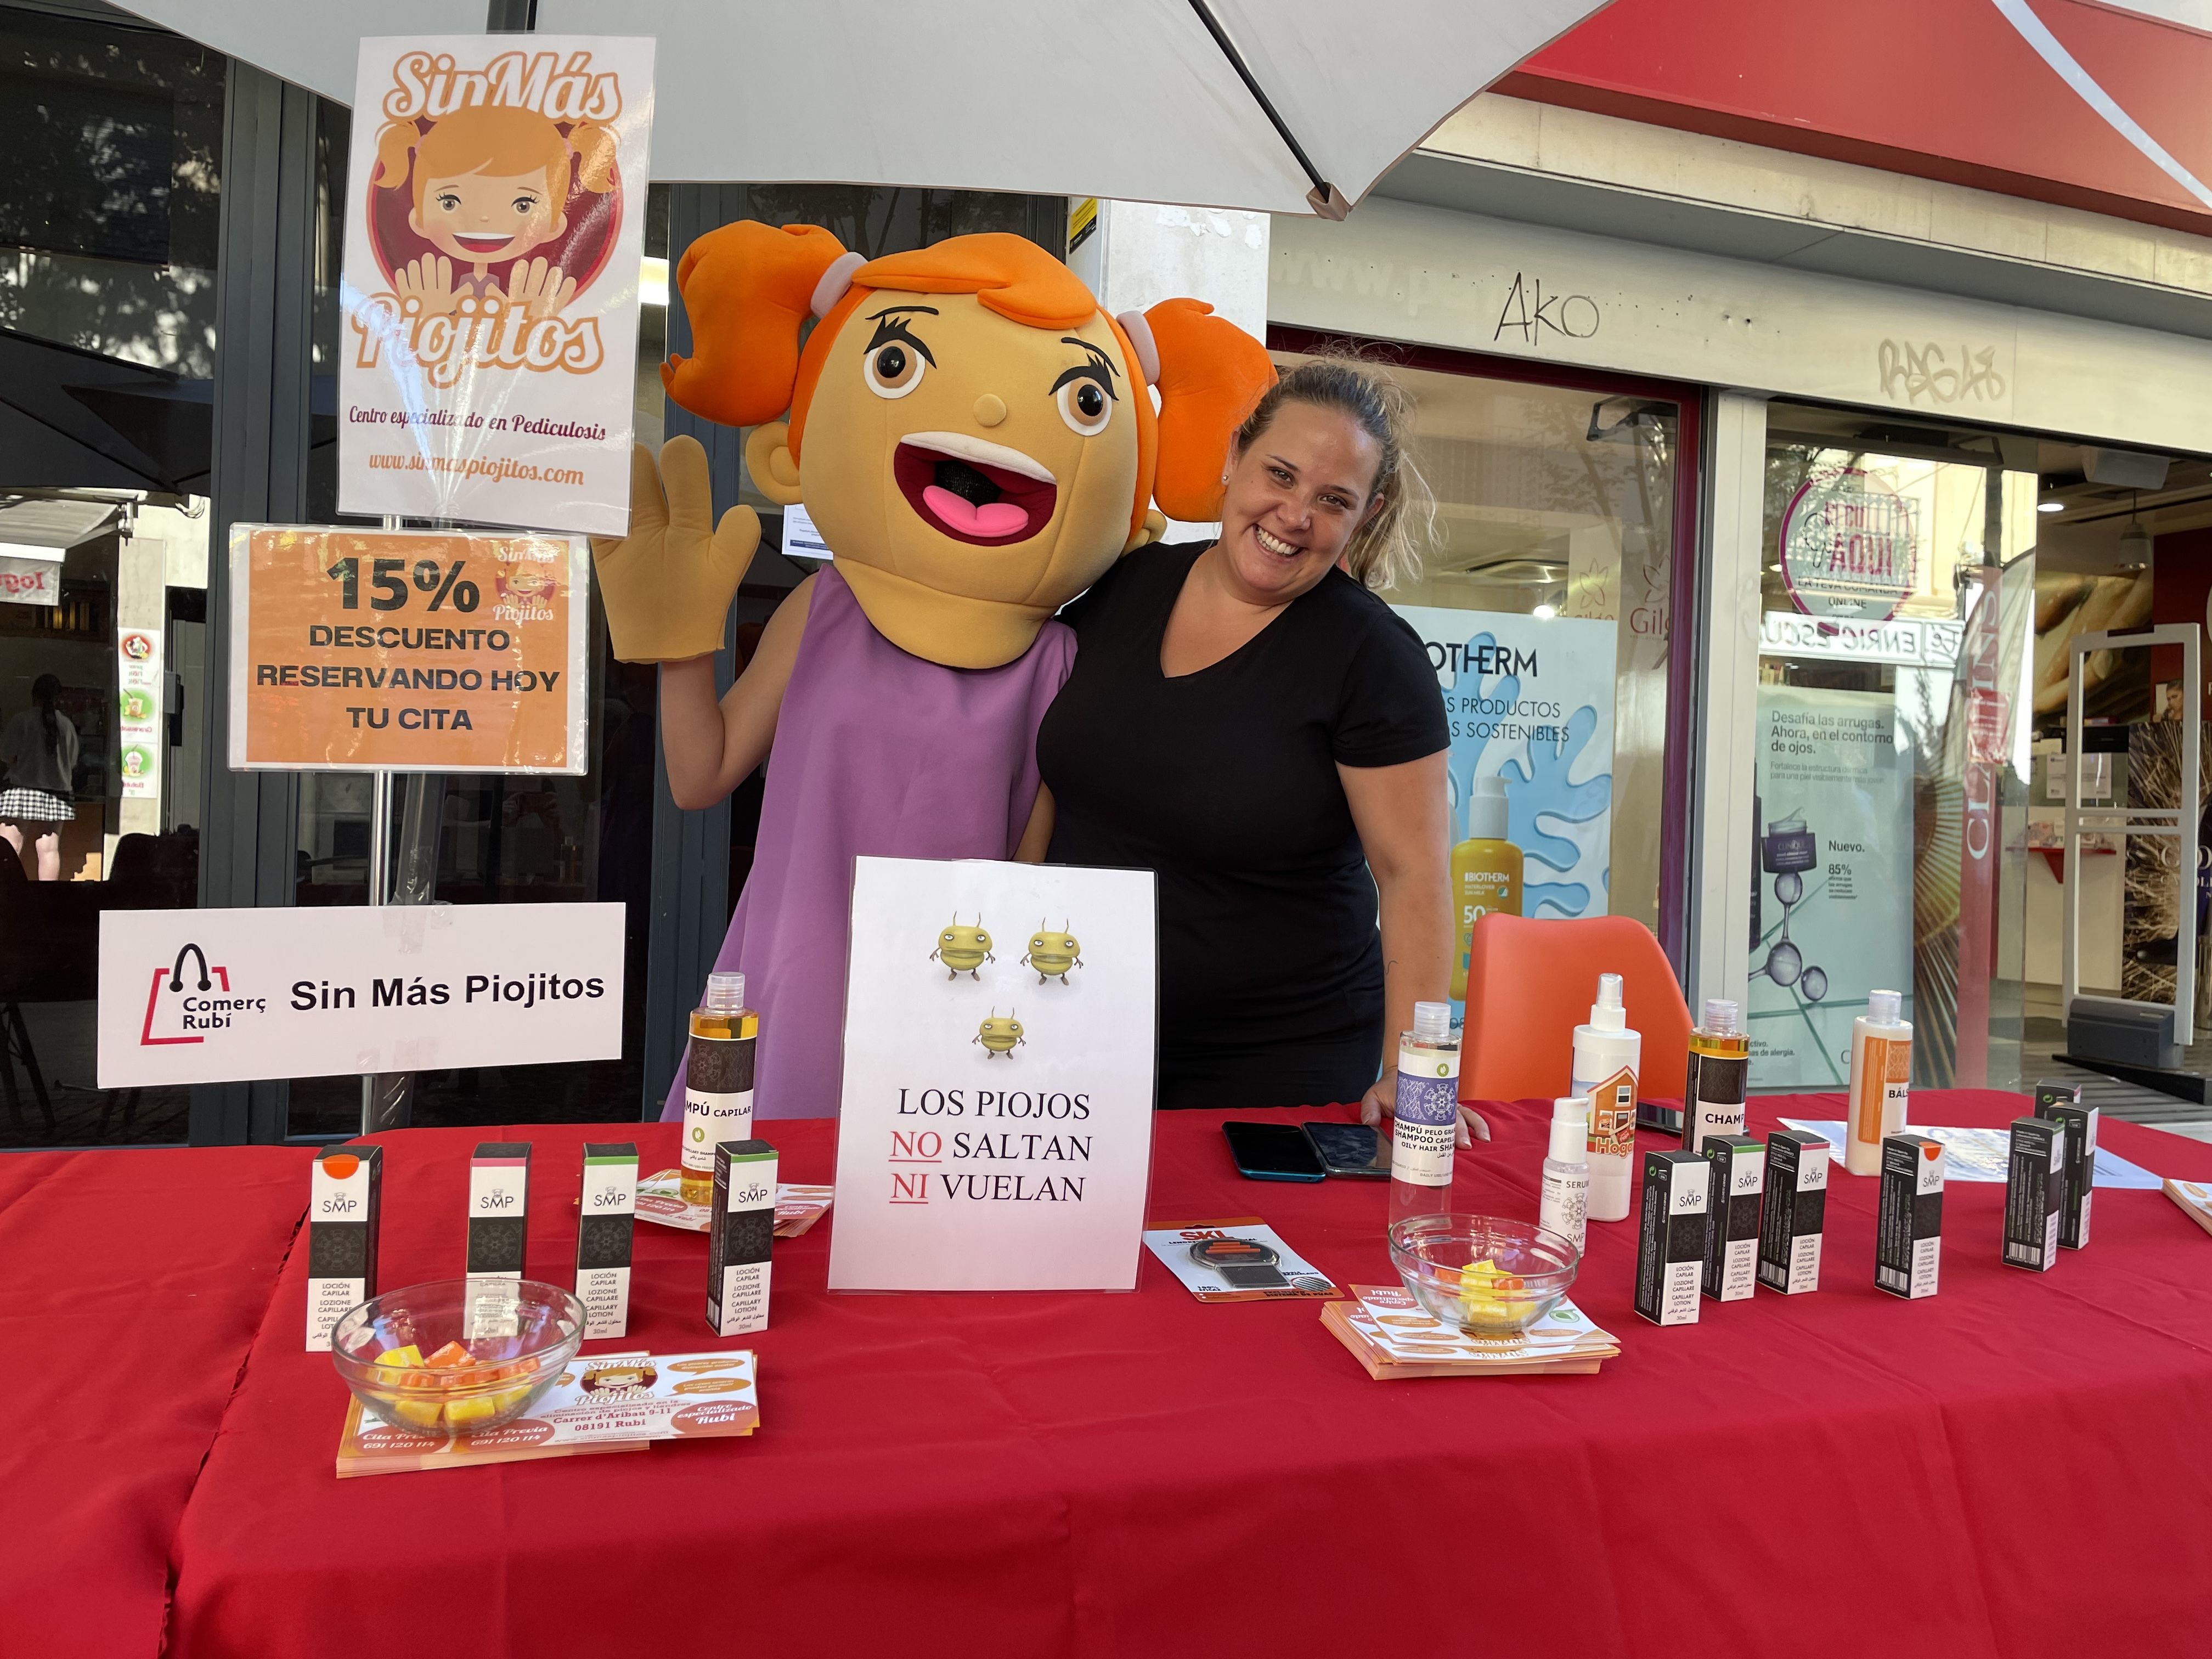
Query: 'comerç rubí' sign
{"x": 1849, "y": 546}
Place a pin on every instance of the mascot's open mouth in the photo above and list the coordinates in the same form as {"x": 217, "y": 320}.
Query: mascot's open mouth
{"x": 976, "y": 492}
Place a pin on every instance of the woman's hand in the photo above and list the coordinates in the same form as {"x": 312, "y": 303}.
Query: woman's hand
{"x": 428, "y": 282}
{"x": 538, "y": 288}
{"x": 1381, "y": 1100}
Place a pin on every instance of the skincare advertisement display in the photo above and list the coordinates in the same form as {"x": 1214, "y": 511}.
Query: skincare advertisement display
{"x": 996, "y": 1122}
{"x": 1831, "y": 919}
{"x": 495, "y": 223}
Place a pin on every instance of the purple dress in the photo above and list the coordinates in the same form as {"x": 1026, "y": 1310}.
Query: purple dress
{"x": 881, "y": 753}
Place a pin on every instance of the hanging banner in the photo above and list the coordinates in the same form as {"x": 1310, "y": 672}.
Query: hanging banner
{"x": 996, "y": 1129}
{"x": 494, "y": 230}
{"x": 138, "y": 712}
{"x": 420, "y": 651}
{"x": 1832, "y": 905}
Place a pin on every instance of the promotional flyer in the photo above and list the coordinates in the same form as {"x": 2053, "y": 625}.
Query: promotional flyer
{"x": 1832, "y": 915}
{"x": 494, "y": 227}
{"x": 138, "y": 712}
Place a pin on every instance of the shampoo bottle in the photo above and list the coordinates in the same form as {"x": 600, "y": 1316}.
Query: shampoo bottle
{"x": 1427, "y": 1118}
{"x": 1607, "y": 1057}
{"x": 1718, "y": 1077}
{"x": 1564, "y": 1207}
{"x": 1485, "y": 871}
{"x": 718, "y": 1082}
{"x": 1882, "y": 1079}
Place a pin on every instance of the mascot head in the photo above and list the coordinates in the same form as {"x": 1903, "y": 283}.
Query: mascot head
{"x": 972, "y": 435}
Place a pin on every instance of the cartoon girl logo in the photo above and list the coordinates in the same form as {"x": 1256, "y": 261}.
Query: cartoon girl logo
{"x": 493, "y": 200}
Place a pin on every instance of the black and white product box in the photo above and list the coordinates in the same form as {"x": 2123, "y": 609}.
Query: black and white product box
{"x": 609, "y": 1211}
{"x": 2035, "y": 1194}
{"x": 2062, "y": 1103}
{"x": 1796, "y": 1206}
{"x": 1908, "y": 1225}
{"x": 1714, "y": 1087}
{"x": 1670, "y": 1245}
{"x": 499, "y": 1209}
{"x": 738, "y": 1237}
{"x": 1738, "y": 1174}
{"x": 343, "y": 1193}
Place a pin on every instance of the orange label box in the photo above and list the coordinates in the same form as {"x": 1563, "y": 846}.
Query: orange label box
{"x": 426, "y": 651}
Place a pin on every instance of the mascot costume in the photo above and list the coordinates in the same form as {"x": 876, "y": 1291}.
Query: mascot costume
{"x": 976, "y": 441}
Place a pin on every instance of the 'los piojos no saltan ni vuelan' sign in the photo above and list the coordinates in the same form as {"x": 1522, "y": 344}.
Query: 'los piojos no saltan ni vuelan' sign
{"x": 996, "y": 1127}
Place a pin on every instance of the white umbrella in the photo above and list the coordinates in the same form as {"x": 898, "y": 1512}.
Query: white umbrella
{"x": 1279, "y": 105}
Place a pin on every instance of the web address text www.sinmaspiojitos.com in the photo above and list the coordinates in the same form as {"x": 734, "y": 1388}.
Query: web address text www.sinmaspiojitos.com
{"x": 498, "y": 469}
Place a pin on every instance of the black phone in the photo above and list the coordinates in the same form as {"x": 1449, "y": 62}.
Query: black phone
{"x": 1271, "y": 1152}
{"x": 1349, "y": 1149}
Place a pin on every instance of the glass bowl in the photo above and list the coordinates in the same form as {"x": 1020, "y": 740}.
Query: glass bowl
{"x": 1442, "y": 1259}
{"x": 457, "y": 1356}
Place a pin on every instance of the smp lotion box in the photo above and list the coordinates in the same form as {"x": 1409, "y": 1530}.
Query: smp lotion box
{"x": 2062, "y": 1103}
{"x": 344, "y": 1194}
{"x": 1908, "y": 1225}
{"x": 608, "y": 1209}
{"x": 499, "y": 1209}
{"x": 739, "y": 1232}
{"x": 1738, "y": 1176}
{"x": 2035, "y": 1194}
{"x": 1797, "y": 1205}
{"x": 1670, "y": 1247}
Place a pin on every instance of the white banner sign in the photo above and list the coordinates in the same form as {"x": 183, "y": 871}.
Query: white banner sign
{"x": 30, "y": 581}
{"x": 225, "y": 996}
{"x": 494, "y": 231}
{"x": 995, "y": 1132}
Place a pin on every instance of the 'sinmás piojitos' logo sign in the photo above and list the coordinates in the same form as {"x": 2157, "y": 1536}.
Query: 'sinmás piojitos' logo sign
{"x": 1849, "y": 546}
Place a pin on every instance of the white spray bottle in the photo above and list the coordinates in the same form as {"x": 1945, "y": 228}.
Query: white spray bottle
{"x": 1608, "y": 1058}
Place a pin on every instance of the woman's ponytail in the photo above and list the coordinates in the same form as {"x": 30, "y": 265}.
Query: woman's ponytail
{"x": 1211, "y": 373}
{"x": 747, "y": 289}
{"x": 395, "y": 142}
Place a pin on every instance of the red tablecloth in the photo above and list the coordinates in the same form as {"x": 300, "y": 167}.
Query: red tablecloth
{"x": 2012, "y": 1468}
{"x": 131, "y": 1283}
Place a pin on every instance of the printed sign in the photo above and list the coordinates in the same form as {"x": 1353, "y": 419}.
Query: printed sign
{"x": 225, "y": 996}
{"x": 1849, "y": 546}
{"x": 30, "y": 581}
{"x": 138, "y": 711}
{"x": 494, "y": 230}
{"x": 995, "y": 1131}
{"x": 417, "y": 650}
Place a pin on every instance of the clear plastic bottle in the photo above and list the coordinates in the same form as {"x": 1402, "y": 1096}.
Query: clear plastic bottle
{"x": 717, "y": 1081}
{"x": 1719, "y": 1075}
{"x": 1427, "y": 1114}
{"x": 1882, "y": 1079}
{"x": 1565, "y": 1206}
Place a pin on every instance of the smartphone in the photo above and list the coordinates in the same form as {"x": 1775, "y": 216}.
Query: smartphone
{"x": 1349, "y": 1149}
{"x": 1272, "y": 1151}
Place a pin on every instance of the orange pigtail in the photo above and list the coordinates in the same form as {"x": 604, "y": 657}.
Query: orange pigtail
{"x": 747, "y": 288}
{"x": 395, "y": 142}
{"x": 595, "y": 156}
{"x": 1211, "y": 374}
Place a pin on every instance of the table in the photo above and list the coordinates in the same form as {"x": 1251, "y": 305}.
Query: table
{"x": 2011, "y": 1467}
{"x": 131, "y": 1284}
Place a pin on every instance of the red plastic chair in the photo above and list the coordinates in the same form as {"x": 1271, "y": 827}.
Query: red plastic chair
{"x": 1530, "y": 983}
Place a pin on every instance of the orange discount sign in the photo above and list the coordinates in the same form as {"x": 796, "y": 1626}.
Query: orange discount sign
{"x": 418, "y": 651}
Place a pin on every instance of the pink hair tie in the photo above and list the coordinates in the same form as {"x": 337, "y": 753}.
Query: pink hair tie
{"x": 834, "y": 281}
{"x": 1140, "y": 336}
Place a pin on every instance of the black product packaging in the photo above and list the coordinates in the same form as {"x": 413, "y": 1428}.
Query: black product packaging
{"x": 1738, "y": 1165}
{"x": 2062, "y": 1103}
{"x": 343, "y": 1195}
{"x": 1908, "y": 1225}
{"x": 1670, "y": 1245}
{"x": 1796, "y": 1206}
{"x": 740, "y": 1233}
{"x": 499, "y": 1209}
{"x": 609, "y": 1211}
{"x": 2035, "y": 1194}
{"x": 1714, "y": 1090}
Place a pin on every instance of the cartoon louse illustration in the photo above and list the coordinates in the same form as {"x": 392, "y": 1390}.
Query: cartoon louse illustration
{"x": 999, "y": 1035}
{"x": 1052, "y": 954}
{"x": 962, "y": 950}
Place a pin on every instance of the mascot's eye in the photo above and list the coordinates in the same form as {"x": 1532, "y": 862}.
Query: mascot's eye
{"x": 892, "y": 371}
{"x": 1085, "y": 406}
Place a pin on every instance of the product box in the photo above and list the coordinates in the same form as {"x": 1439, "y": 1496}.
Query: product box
{"x": 2062, "y": 1103}
{"x": 1909, "y": 1228}
{"x": 603, "y": 1236}
{"x": 499, "y": 1209}
{"x": 343, "y": 1193}
{"x": 1796, "y": 1203}
{"x": 1670, "y": 1246}
{"x": 1738, "y": 1174}
{"x": 739, "y": 1241}
{"x": 2035, "y": 1194}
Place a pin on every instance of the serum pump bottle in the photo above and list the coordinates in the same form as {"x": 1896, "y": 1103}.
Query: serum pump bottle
{"x": 718, "y": 1082}
{"x": 1426, "y": 1119}
{"x": 1564, "y": 1207}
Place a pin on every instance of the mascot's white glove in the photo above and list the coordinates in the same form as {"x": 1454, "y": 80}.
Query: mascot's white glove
{"x": 668, "y": 584}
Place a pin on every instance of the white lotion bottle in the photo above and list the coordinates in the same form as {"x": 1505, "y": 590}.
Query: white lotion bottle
{"x": 1882, "y": 1079}
{"x": 1565, "y": 1206}
{"x": 1608, "y": 1057}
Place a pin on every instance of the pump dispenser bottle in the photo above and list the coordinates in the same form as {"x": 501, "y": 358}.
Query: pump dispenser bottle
{"x": 1882, "y": 1079}
{"x": 1718, "y": 1077}
{"x": 1564, "y": 1207}
{"x": 1608, "y": 1058}
{"x": 1427, "y": 1114}
{"x": 1485, "y": 871}
{"x": 717, "y": 1081}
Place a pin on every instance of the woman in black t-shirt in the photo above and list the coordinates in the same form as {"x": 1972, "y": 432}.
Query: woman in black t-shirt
{"x": 1249, "y": 720}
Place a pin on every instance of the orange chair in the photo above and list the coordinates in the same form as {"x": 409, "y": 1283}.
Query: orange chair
{"x": 1530, "y": 983}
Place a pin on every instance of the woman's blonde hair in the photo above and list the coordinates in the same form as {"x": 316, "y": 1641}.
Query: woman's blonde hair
{"x": 1386, "y": 550}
